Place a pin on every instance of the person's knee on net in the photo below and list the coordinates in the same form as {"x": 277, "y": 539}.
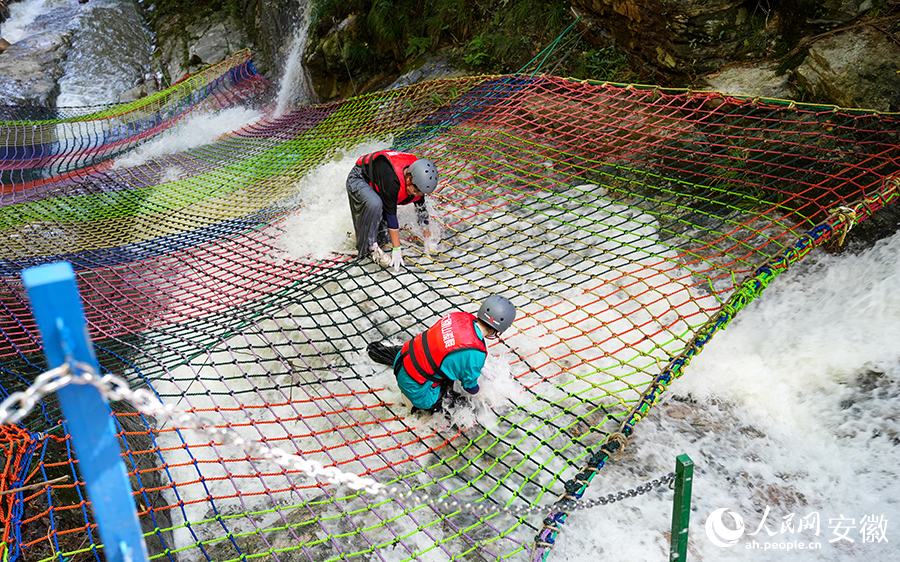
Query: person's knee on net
{"x": 452, "y": 349}
{"x": 378, "y": 183}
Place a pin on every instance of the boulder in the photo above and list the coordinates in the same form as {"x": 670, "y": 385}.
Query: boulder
{"x": 858, "y": 68}
{"x": 31, "y": 70}
{"x": 673, "y": 41}
{"x": 202, "y": 45}
{"x": 668, "y": 41}
{"x": 150, "y": 84}
{"x": 754, "y": 80}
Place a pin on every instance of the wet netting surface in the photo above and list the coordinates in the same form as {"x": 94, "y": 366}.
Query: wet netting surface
{"x": 627, "y": 224}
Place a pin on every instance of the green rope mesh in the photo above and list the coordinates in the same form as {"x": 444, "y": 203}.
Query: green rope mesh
{"x": 627, "y": 224}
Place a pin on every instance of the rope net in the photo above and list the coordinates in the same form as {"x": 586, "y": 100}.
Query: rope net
{"x": 627, "y": 224}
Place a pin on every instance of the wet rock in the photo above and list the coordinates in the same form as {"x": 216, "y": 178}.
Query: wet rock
{"x": 150, "y": 84}
{"x": 676, "y": 40}
{"x": 31, "y": 70}
{"x": 753, "y": 80}
{"x": 671, "y": 40}
{"x": 434, "y": 68}
{"x": 857, "y": 68}
{"x": 31, "y": 67}
{"x": 328, "y": 55}
{"x": 340, "y": 63}
{"x": 202, "y": 45}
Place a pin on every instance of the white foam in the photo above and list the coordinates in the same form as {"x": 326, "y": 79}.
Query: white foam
{"x": 193, "y": 132}
{"x": 322, "y": 225}
{"x": 22, "y": 15}
{"x": 783, "y": 422}
{"x": 769, "y": 425}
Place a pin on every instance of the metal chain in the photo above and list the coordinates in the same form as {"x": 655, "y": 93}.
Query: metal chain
{"x": 574, "y": 505}
{"x": 114, "y": 388}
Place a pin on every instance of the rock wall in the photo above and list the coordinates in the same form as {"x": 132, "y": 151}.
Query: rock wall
{"x": 266, "y": 28}
{"x": 837, "y": 52}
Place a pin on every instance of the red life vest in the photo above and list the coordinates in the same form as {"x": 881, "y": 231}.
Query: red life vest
{"x": 399, "y": 161}
{"x": 422, "y": 356}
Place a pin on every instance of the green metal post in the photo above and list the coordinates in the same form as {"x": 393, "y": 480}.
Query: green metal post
{"x": 681, "y": 509}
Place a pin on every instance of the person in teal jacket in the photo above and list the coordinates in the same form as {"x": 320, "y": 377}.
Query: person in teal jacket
{"x": 453, "y": 349}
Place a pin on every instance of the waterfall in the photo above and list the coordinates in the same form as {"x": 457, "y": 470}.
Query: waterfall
{"x": 296, "y": 83}
{"x": 110, "y": 52}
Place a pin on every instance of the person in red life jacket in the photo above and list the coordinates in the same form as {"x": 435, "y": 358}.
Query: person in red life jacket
{"x": 376, "y": 186}
{"x": 453, "y": 349}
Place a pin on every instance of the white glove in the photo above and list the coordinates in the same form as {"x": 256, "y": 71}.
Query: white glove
{"x": 396, "y": 259}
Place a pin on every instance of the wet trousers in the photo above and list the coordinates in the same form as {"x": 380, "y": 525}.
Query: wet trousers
{"x": 447, "y": 394}
{"x": 365, "y": 208}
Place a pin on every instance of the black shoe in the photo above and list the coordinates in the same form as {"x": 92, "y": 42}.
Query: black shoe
{"x": 384, "y": 354}
{"x": 452, "y": 399}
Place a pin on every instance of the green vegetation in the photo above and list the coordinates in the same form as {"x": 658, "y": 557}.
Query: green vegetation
{"x": 605, "y": 64}
{"x": 360, "y": 44}
{"x": 486, "y": 36}
{"x": 196, "y": 11}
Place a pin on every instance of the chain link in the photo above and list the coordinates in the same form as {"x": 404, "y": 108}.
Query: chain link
{"x": 115, "y": 388}
{"x": 18, "y": 404}
{"x": 575, "y": 505}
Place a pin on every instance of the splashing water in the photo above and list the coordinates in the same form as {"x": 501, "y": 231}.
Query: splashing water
{"x": 322, "y": 225}
{"x": 22, "y": 15}
{"x": 793, "y": 411}
{"x": 792, "y": 414}
{"x": 109, "y": 55}
{"x": 195, "y": 131}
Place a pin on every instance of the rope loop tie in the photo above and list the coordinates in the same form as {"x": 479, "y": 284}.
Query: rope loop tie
{"x": 892, "y": 182}
{"x": 552, "y": 528}
{"x": 615, "y": 444}
{"x": 846, "y": 216}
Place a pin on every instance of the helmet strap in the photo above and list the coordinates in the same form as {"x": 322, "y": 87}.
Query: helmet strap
{"x": 488, "y": 331}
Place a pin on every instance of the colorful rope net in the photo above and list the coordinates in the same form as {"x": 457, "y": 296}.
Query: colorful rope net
{"x": 627, "y": 224}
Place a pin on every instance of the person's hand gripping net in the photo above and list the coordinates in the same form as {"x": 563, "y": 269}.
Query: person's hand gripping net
{"x": 396, "y": 259}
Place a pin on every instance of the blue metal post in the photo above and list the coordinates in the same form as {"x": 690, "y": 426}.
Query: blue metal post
{"x": 57, "y": 309}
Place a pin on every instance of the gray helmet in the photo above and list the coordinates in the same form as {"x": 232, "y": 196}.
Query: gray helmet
{"x": 497, "y": 312}
{"x": 424, "y": 175}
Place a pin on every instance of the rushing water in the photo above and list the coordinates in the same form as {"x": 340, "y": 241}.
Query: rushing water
{"x": 790, "y": 415}
{"x": 110, "y": 54}
{"x": 296, "y": 83}
{"x": 109, "y": 51}
{"x": 21, "y": 16}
